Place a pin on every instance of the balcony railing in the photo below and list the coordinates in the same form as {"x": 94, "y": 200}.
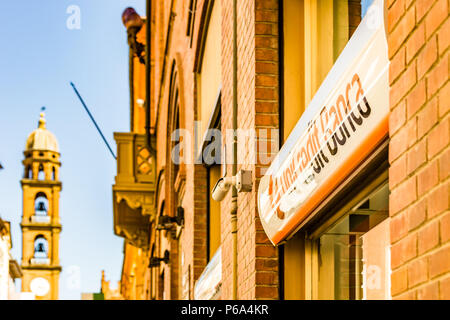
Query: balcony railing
{"x": 41, "y": 219}
{"x": 133, "y": 192}
{"x": 135, "y": 164}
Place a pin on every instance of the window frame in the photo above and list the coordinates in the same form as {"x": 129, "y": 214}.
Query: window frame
{"x": 307, "y": 82}
{"x": 313, "y": 256}
{"x": 215, "y": 122}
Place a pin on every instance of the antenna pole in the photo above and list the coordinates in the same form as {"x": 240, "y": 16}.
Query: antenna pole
{"x": 93, "y": 120}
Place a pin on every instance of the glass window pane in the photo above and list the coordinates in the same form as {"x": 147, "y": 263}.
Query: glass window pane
{"x": 376, "y": 258}
{"x": 354, "y": 255}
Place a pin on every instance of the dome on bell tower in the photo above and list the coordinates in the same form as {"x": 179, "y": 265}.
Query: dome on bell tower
{"x": 41, "y": 139}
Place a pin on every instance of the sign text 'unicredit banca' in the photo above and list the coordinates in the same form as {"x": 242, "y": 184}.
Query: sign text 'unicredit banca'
{"x": 345, "y": 121}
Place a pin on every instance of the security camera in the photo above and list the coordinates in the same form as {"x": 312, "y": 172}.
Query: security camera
{"x": 221, "y": 188}
{"x": 242, "y": 181}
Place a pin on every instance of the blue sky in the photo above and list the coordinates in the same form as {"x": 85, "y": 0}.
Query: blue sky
{"x": 39, "y": 57}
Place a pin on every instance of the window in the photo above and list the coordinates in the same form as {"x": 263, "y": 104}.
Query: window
{"x": 153, "y": 272}
{"x": 177, "y": 147}
{"x": 211, "y": 159}
{"x": 191, "y": 19}
{"x": 208, "y": 142}
{"x": 354, "y": 255}
{"x": 209, "y": 70}
{"x": 314, "y": 33}
{"x": 161, "y": 287}
{"x": 213, "y": 218}
{"x": 177, "y": 154}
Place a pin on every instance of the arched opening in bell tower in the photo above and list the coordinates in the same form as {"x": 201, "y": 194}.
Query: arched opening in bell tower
{"x": 41, "y": 174}
{"x": 41, "y": 207}
{"x": 40, "y": 249}
{"x": 41, "y": 204}
{"x": 28, "y": 173}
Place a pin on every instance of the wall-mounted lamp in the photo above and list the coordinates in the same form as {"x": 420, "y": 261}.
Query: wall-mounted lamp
{"x": 242, "y": 181}
{"x": 156, "y": 262}
{"x": 167, "y": 223}
{"x": 133, "y": 22}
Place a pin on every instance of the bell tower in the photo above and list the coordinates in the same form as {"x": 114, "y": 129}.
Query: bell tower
{"x": 40, "y": 217}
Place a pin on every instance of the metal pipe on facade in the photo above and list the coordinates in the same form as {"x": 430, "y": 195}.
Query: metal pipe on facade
{"x": 131, "y": 83}
{"x": 234, "y": 195}
{"x": 148, "y": 59}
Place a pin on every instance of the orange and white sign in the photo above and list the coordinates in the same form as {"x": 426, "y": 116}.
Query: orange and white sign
{"x": 344, "y": 122}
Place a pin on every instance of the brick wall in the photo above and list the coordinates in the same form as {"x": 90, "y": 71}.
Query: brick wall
{"x": 180, "y": 56}
{"x": 419, "y": 152}
{"x": 227, "y": 100}
{"x": 257, "y": 109}
{"x": 266, "y": 120}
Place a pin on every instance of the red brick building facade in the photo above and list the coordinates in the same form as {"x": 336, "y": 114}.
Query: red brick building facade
{"x": 199, "y": 73}
{"x": 419, "y": 148}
